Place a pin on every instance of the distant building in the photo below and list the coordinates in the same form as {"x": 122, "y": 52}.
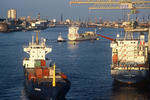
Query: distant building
{"x": 68, "y": 20}
{"x": 28, "y": 18}
{"x": 39, "y": 16}
{"x": 54, "y": 20}
{"x": 12, "y": 14}
{"x": 61, "y": 17}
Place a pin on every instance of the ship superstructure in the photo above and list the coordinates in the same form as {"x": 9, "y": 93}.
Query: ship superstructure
{"x": 36, "y": 51}
{"x": 73, "y": 34}
{"x": 42, "y": 78}
{"x": 130, "y": 57}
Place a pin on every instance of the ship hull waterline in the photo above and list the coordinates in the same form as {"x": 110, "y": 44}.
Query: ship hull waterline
{"x": 46, "y": 91}
{"x": 130, "y": 76}
{"x": 85, "y": 39}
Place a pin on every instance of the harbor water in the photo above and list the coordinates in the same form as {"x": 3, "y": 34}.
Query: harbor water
{"x": 86, "y": 63}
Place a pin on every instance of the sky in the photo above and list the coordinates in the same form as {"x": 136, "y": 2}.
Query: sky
{"x": 53, "y": 9}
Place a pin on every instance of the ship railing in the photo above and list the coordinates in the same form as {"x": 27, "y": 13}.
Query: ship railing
{"x": 37, "y": 46}
{"x": 130, "y": 67}
{"x": 122, "y": 39}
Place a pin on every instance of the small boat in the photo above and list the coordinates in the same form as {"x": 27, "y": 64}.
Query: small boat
{"x": 60, "y": 39}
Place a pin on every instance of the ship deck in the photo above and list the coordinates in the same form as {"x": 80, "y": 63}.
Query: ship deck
{"x": 129, "y": 67}
{"x": 44, "y": 78}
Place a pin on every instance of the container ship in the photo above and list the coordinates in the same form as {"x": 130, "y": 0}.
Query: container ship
{"x": 73, "y": 34}
{"x": 43, "y": 80}
{"x": 130, "y": 57}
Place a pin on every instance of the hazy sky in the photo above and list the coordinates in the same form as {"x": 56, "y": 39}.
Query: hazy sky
{"x": 54, "y": 8}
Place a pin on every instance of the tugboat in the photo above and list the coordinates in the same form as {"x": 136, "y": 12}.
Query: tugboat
{"x": 43, "y": 80}
{"x": 130, "y": 57}
{"x": 60, "y": 39}
{"x": 73, "y": 34}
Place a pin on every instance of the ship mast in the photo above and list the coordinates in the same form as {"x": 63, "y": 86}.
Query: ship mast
{"x": 37, "y": 39}
{"x": 128, "y": 33}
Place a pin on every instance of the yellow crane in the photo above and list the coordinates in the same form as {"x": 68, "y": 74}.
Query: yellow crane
{"x": 115, "y": 4}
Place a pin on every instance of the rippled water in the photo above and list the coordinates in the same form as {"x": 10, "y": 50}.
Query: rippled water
{"x": 86, "y": 63}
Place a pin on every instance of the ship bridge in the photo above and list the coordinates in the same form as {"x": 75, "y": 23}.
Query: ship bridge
{"x": 37, "y": 51}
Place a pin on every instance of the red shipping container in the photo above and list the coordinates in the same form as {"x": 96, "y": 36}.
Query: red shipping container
{"x": 31, "y": 76}
{"x": 45, "y": 72}
{"x": 43, "y": 63}
{"x": 38, "y": 72}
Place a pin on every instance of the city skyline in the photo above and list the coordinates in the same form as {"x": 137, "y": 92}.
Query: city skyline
{"x": 52, "y": 9}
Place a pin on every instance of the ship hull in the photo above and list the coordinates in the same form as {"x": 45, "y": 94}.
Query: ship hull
{"x": 61, "y": 40}
{"x": 130, "y": 76}
{"x": 45, "y": 90}
{"x": 86, "y": 38}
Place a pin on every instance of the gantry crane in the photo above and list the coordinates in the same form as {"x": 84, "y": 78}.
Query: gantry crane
{"x": 115, "y": 4}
